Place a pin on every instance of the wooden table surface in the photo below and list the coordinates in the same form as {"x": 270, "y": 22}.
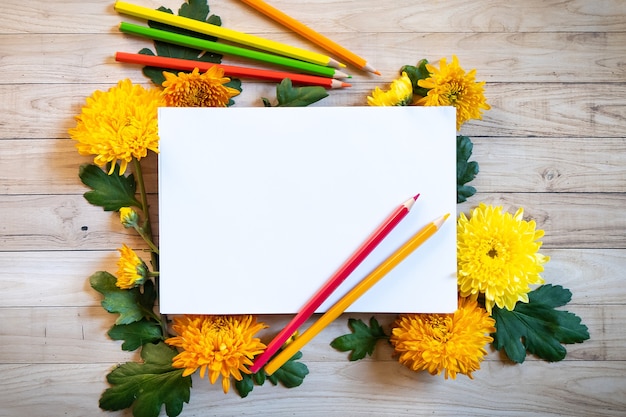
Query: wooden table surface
{"x": 554, "y": 143}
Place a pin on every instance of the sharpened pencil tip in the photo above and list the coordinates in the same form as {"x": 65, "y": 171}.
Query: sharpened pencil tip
{"x": 346, "y": 85}
{"x": 416, "y": 196}
{"x": 377, "y": 72}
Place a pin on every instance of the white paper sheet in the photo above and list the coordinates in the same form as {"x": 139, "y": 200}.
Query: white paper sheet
{"x": 259, "y": 206}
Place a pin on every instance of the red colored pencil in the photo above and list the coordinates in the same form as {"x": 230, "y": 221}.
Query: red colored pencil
{"x": 334, "y": 281}
{"x": 229, "y": 70}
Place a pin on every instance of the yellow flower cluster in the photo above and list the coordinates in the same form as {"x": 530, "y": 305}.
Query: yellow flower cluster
{"x": 497, "y": 255}
{"x": 449, "y": 343}
{"x": 118, "y": 125}
{"x": 197, "y": 90}
{"x": 221, "y": 345}
{"x": 450, "y": 85}
{"x": 132, "y": 271}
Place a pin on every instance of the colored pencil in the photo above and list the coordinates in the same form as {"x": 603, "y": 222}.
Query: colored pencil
{"x": 229, "y": 70}
{"x": 226, "y": 34}
{"x": 315, "y": 37}
{"x": 334, "y": 281}
{"x": 340, "y": 306}
{"x": 220, "y": 48}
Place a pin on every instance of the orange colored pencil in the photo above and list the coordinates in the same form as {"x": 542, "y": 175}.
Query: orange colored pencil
{"x": 315, "y": 37}
{"x": 229, "y": 70}
{"x": 334, "y": 281}
{"x": 359, "y": 289}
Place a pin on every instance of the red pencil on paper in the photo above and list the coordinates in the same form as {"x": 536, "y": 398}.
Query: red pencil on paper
{"x": 334, "y": 281}
{"x": 229, "y": 70}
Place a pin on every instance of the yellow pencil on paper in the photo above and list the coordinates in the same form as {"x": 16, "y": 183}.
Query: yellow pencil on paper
{"x": 315, "y": 37}
{"x": 225, "y": 34}
{"x": 365, "y": 284}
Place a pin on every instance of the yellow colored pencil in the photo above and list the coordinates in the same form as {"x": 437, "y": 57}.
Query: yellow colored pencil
{"x": 365, "y": 284}
{"x": 226, "y": 34}
{"x": 315, "y": 37}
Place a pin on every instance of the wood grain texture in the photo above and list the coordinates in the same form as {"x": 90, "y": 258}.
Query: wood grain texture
{"x": 553, "y": 143}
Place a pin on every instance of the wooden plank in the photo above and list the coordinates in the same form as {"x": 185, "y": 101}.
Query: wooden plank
{"x": 60, "y": 279}
{"x": 41, "y": 16}
{"x": 570, "y": 220}
{"x": 341, "y": 389}
{"x": 78, "y": 58}
{"x": 506, "y": 165}
{"x": 60, "y": 222}
{"x": 550, "y": 164}
{"x": 78, "y": 335}
{"x": 543, "y": 110}
{"x": 22, "y": 171}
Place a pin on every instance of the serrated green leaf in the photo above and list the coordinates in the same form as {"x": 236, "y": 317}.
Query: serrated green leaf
{"x": 466, "y": 171}
{"x": 362, "y": 341}
{"x": 292, "y": 373}
{"x": 111, "y": 192}
{"x": 290, "y": 96}
{"x": 537, "y": 328}
{"x": 126, "y": 303}
{"x": 416, "y": 73}
{"x": 149, "y": 385}
{"x": 194, "y": 9}
{"x": 136, "y": 334}
{"x": 245, "y": 386}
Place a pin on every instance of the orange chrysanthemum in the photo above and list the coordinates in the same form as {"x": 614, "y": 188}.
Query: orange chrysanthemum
{"x": 197, "y": 90}
{"x": 118, "y": 125}
{"x": 223, "y": 345}
{"x": 452, "y": 343}
{"x": 450, "y": 85}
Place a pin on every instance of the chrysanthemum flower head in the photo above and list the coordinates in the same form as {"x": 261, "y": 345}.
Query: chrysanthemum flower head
{"x": 132, "y": 271}
{"x": 118, "y": 125}
{"x": 450, "y": 343}
{"x": 450, "y": 85}
{"x": 400, "y": 93}
{"x": 197, "y": 90}
{"x": 221, "y": 345}
{"x": 128, "y": 217}
{"x": 497, "y": 255}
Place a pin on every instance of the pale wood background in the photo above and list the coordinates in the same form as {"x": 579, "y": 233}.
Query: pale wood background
{"x": 553, "y": 143}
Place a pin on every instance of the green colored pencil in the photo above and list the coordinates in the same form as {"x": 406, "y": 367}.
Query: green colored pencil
{"x": 204, "y": 45}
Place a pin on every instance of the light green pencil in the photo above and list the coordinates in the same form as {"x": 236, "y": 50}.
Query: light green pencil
{"x": 204, "y": 45}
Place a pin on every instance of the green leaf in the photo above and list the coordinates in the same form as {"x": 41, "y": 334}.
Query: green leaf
{"x": 465, "y": 171}
{"x": 362, "y": 340}
{"x": 537, "y": 328}
{"x": 127, "y": 303}
{"x": 290, "y": 96}
{"x": 148, "y": 385}
{"x": 417, "y": 73}
{"x": 193, "y": 9}
{"x": 246, "y": 385}
{"x": 111, "y": 192}
{"x": 292, "y": 373}
{"x": 136, "y": 334}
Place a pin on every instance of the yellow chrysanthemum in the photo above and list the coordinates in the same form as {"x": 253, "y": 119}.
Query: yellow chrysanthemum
{"x": 497, "y": 255}
{"x": 453, "y": 343}
{"x": 223, "y": 345}
{"x": 119, "y": 124}
{"x": 451, "y": 86}
{"x": 128, "y": 217}
{"x": 197, "y": 90}
{"x": 132, "y": 271}
{"x": 400, "y": 93}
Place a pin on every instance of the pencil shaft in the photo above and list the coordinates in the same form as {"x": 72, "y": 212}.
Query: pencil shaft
{"x": 365, "y": 284}
{"x": 223, "y": 33}
{"x": 229, "y": 70}
{"x": 310, "y": 34}
{"x": 334, "y": 281}
{"x": 205, "y": 45}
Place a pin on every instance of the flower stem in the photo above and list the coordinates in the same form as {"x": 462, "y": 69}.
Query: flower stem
{"x": 146, "y": 234}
